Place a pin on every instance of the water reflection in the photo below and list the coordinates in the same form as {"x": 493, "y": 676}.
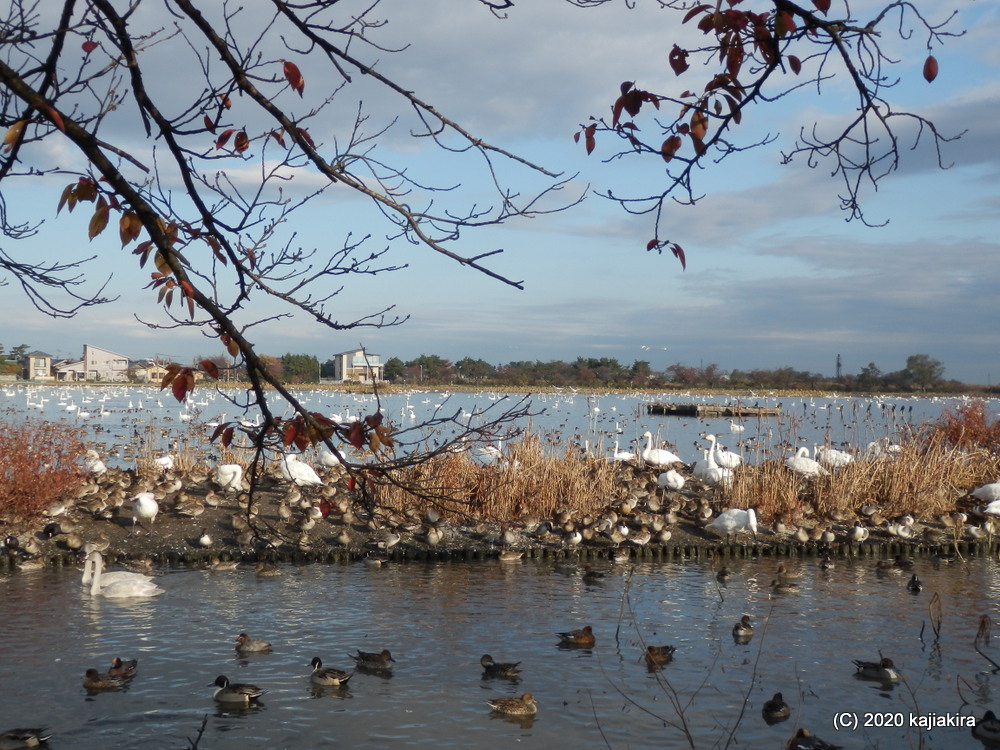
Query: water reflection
{"x": 438, "y": 621}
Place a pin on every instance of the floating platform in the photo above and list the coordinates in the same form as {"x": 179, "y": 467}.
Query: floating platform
{"x": 712, "y": 410}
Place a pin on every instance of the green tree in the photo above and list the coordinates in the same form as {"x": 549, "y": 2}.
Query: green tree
{"x": 923, "y": 371}
{"x": 475, "y": 369}
{"x": 870, "y": 377}
{"x": 300, "y": 368}
{"x": 18, "y": 352}
{"x": 393, "y": 370}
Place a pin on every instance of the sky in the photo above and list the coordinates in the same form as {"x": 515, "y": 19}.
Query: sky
{"x": 775, "y": 276}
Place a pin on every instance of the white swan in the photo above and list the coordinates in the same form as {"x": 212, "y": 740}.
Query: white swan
{"x": 715, "y": 475}
{"x": 117, "y": 584}
{"x": 671, "y": 480}
{"x": 619, "y": 455}
{"x": 832, "y": 458}
{"x": 657, "y": 456}
{"x": 734, "y": 427}
{"x": 144, "y": 507}
{"x": 301, "y": 474}
{"x": 733, "y": 521}
{"x": 724, "y": 458}
{"x": 988, "y": 493}
{"x": 804, "y": 466}
{"x": 229, "y": 477}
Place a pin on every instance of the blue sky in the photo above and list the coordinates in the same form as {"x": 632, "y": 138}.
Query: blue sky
{"x": 775, "y": 276}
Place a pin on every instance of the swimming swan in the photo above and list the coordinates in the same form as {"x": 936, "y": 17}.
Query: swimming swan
{"x": 117, "y": 584}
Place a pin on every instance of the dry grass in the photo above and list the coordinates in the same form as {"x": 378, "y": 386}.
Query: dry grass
{"x": 528, "y": 481}
{"x": 38, "y": 466}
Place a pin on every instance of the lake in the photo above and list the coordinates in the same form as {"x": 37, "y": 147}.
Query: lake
{"x": 438, "y": 619}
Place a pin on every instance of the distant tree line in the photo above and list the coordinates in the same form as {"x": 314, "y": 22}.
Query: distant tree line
{"x": 922, "y": 373}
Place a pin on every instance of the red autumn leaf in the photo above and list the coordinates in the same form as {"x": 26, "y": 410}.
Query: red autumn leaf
{"x": 183, "y": 384}
{"x": 351, "y": 483}
{"x": 219, "y": 429}
{"x": 678, "y": 252}
{"x": 210, "y": 367}
{"x": 89, "y": 46}
{"x": 678, "y": 60}
{"x": 290, "y": 432}
{"x": 616, "y": 112}
{"x": 56, "y": 118}
{"x": 227, "y": 436}
{"x": 823, "y": 6}
{"x": 589, "y": 137}
{"x": 930, "y": 68}
{"x": 308, "y": 138}
{"x": 651, "y": 245}
{"x": 279, "y": 136}
{"x": 695, "y": 11}
{"x": 209, "y": 125}
{"x": 231, "y": 346}
{"x": 241, "y": 142}
{"x": 576, "y": 137}
{"x": 794, "y": 63}
{"x": 294, "y": 76}
{"x": 223, "y": 138}
{"x": 356, "y": 435}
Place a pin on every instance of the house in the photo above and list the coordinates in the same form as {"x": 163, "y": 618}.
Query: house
{"x": 357, "y": 365}
{"x": 37, "y": 366}
{"x": 96, "y": 364}
{"x": 147, "y": 371}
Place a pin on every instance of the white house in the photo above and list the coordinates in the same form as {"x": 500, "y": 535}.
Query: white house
{"x": 357, "y": 365}
{"x": 96, "y": 364}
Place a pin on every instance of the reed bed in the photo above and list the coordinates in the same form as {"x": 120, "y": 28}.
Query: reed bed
{"x": 527, "y": 481}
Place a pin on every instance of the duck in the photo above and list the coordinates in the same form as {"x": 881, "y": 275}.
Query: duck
{"x": 117, "y": 584}
{"x": 743, "y": 630}
{"x": 95, "y": 681}
{"x": 883, "y": 670}
{"x": 987, "y": 730}
{"x": 266, "y": 570}
{"x": 121, "y": 668}
{"x": 914, "y": 585}
{"x": 592, "y": 576}
{"x": 775, "y": 710}
{"x": 779, "y": 586}
{"x": 492, "y": 668}
{"x": 657, "y": 656}
{"x": 235, "y": 693}
{"x": 217, "y": 565}
{"x": 23, "y": 737}
{"x": 327, "y": 676}
{"x": 375, "y": 662}
{"x": 657, "y": 456}
{"x": 523, "y": 706}
{"x": 582, "y": 637}
{"x": 247, "y": 645}
{"x": 803, "y": 740}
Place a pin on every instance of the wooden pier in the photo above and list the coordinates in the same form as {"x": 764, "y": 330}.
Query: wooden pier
{"x": 712, "y": 411}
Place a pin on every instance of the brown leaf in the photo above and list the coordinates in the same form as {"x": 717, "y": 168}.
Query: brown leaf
{"x": 294, "y": 76}
{"x": 669, "y": 147}
{"x": 227, "y": 436}
{"x": 356, "y": 435}
{"x": 67, "y": 193}
{"x": 695, "y": 11}
{"x": 99, "y": 221}
{"x": 224, "y": 137}
{"x": 678, "y": 60}
{"x": 589, "y": 137}
{"x": 225, "y": 101}
{"x": 308, "y": 138}
{"x": 930, "y": 68}
{"x": 678, "y": 252}
{"x": 699, "y": 124}
{"x": 129, "y": 226}
{"x": 794, "y": 63}
{"x": 209, "y": 125}
{"x": 279, "y": 136}
{"x": 12, "y": 134}
{"x": 56, "y": 118}
{"x": 241, "y": 142}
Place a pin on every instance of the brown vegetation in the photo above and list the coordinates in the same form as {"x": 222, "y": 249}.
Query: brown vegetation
{"x": 38, "y": 466}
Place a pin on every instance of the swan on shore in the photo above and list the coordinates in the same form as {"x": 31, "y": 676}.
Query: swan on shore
{"x": 657, "y": 456}
{"x": 116, "y": 584}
